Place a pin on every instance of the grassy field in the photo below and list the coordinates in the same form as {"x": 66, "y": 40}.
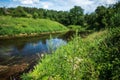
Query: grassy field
{"x": 96, "y": 57}
{"x": 12, "y": 26}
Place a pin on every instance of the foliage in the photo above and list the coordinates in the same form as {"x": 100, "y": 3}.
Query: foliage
{"x": 115, "y": 19}
{"x": 104, "y": 17}
{"x": 76, "y": 27}
{"x": 13, "y": 26}
{"x": 108, "y": 56}
{"x": 93, "y": 58}
{"x": 19, "y": 11}
{"x": 35, "y": 15}
{"x": 75, "y": 16}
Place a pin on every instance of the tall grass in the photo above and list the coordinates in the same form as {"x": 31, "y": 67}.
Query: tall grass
{"x": 12, "y": 26}
{"x": 96, "y": 57}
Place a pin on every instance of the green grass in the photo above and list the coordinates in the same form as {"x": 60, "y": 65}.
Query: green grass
{"x": 76, "y": 27}
{"x": 13, "y": 26}
{"x": 96, "y": 57}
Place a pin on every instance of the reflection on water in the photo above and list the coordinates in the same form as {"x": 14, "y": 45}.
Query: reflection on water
{"x": 20, "y": 49}
{"x": 39, "y": 47}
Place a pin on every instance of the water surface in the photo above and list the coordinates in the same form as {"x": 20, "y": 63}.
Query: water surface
{"x": 15, "y": 50}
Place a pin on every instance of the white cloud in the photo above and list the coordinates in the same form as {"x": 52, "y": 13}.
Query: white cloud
{"x": 108, "y": 1}
{"x": 46, "y": 5}
{"x": 91, "y": 5}
{"x": 87, "y": 5}
{"x": 28, "y": 1}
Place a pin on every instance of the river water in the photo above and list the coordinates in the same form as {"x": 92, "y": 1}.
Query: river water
{"x": 20, "y": 54}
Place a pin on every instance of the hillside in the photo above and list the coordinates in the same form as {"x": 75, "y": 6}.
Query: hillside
{"x": 14, "y": 26}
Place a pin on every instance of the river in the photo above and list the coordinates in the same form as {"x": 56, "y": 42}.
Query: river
{"x": 19, "y": 55}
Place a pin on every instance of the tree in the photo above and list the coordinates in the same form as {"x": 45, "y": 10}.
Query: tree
{"x": 116, "y": 7}
{"x": 63, "y": 17}
{"x": 4, "y": 11}
{"x": 76, "y": 15}
{"x": 41, "y": 13}
{"x": 101, "y": 19}
{"x": 91, "y": 20}
{"x": 35, "y": 15}
{"x": 115, "y": 17}
{"x": 19, "y": 12}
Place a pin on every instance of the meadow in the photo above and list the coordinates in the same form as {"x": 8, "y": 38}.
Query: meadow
{"x": 14, "y": 26}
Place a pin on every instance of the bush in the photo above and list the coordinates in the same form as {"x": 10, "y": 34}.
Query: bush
{"x": 108, "y": 56}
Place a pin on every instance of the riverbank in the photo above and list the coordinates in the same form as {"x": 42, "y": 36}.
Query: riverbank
{"x": 32, "y": 34}
{"x": 11, "y": 72}
{"x": 90, "y": 58}
{"x": 13, "y": 27}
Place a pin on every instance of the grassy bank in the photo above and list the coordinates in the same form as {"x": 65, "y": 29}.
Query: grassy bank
{"x": 76, "y": 27}
{"x": 81, "y": 30}
{"x": 25, "y": 26}
{"x": 96, "y": 57}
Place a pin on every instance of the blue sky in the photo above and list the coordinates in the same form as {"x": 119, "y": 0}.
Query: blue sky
{"x": 88, "y": 5}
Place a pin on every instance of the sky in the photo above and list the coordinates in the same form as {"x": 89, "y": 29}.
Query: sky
{"x": 65, "y": 5}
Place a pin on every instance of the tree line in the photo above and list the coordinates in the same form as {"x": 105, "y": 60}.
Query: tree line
{"x": 65, "y": 17}
{"x": 103, "y": 17}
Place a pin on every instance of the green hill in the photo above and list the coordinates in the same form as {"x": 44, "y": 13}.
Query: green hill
{"x": 14, "y": 26}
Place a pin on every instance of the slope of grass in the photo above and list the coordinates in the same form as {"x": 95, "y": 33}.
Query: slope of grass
{"x": 96, "y": 57}
{"x": 13, "y": 26}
